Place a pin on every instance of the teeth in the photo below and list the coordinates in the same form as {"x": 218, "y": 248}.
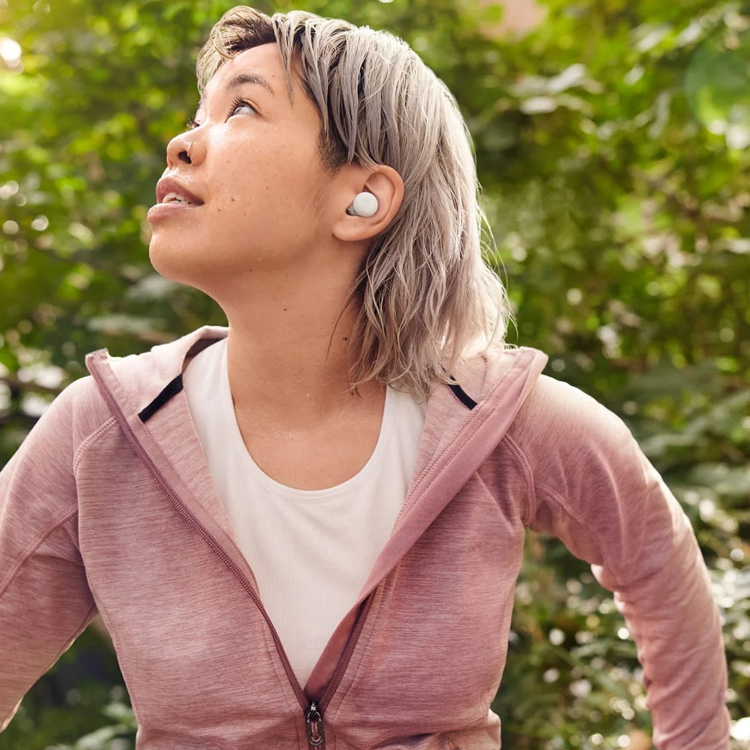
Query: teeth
{"x": 175, "y": 197}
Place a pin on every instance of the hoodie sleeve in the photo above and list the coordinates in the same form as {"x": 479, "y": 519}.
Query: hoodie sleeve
{"x": 597, "y": 492}
{"x": 45, "y": 601}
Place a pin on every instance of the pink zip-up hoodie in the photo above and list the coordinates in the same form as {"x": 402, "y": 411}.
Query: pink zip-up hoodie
{"x": 108, "y": 507}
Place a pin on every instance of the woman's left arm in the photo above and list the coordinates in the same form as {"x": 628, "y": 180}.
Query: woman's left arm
{"x": 597, "y": 491}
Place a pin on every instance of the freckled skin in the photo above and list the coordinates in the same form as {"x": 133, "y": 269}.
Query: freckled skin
{"x": 273, "y": 245}
{"x": 259, "y": 171}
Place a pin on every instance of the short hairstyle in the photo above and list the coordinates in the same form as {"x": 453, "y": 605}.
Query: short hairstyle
{"x": 426, "y": 298}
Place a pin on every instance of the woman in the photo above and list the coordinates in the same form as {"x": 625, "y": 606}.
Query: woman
{"x": 304, "y": 529}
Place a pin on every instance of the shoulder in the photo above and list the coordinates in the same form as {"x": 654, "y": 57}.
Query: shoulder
{"x": 82, "y": 398}
{"x": 584, "y": 463}
{"x": 560, "y": 419}
{"x": 75, "y": 413}
{"x": 50, "y": 447}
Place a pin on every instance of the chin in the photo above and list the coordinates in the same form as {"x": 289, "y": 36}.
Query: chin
{"x": 185, "y": 266}
{"x": 171, "y": 263}
{"x": 162, "y": 259}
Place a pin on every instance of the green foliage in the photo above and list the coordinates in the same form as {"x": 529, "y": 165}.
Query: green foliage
{"x": 613, "y": 147}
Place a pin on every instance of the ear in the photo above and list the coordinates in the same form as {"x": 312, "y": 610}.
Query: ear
{"x": 386, "y": 185}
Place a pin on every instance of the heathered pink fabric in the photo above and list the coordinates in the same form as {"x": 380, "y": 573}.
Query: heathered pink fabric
{"x": 88, "y": 524}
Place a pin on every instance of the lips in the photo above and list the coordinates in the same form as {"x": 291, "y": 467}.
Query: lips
{"x": 169, "y": 185}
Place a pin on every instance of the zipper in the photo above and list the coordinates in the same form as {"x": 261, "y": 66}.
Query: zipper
{"x": 312, "y": 711}
{"x": 316, "y": 736}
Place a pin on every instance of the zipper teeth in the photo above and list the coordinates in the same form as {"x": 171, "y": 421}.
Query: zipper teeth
{"x": 204, "y": 534}
{"x": 344, "y": 662}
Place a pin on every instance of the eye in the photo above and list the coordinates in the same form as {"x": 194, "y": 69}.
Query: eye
{"x": 237, "y": 103}
{"x": 191, "y": 124}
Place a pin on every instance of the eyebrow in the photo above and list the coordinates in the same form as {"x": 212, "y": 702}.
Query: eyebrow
{"x": 240, "y": 79}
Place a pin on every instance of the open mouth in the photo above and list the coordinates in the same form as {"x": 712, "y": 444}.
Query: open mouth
{"x": 172, "y": 195}
{"x": 177, "y": 199}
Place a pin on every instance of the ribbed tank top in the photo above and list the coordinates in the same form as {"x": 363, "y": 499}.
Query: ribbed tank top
{"x": 311, "y": 550}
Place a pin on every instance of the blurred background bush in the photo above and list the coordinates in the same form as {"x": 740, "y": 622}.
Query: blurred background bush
{"x": 613, "y": 145}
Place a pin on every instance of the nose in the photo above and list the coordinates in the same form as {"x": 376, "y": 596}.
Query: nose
{"x": 178, "y": 150}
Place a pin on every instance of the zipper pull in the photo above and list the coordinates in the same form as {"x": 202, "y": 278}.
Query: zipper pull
{"x": 315, "y": 734}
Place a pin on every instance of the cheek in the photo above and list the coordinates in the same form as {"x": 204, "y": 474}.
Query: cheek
{"x": 264, "y": 171}
{"x": 261, "y": 187}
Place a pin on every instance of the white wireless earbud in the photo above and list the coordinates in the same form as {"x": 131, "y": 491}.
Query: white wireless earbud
{"x": 365, "y": 204}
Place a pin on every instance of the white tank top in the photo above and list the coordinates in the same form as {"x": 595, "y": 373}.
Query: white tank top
{"x": 311, "y": 550}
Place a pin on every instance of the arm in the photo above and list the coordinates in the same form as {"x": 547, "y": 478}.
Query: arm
{"x": 45, "y": 601}
{"x": 597, "y": 492}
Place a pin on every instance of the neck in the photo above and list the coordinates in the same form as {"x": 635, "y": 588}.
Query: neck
{"x": 285, "y": 365}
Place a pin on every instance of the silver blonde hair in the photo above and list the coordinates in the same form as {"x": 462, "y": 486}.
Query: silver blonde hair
{"x": 426, "y": 299}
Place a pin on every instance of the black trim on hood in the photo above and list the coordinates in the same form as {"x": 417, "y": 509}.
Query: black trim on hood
{"x": 462, "y": 396}
{"x": 171, "y": 389}
{"x": 175, "y": 386}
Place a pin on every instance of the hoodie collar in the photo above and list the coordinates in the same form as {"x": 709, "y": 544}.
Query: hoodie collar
{"x": 146, "y": 389}
{"x": 146, "y": 377}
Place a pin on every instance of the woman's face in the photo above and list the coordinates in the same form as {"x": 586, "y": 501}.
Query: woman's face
{"x": 257, "y": 170}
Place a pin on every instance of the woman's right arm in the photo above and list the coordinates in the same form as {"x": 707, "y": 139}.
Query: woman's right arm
{"x": 45, "y": 600}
